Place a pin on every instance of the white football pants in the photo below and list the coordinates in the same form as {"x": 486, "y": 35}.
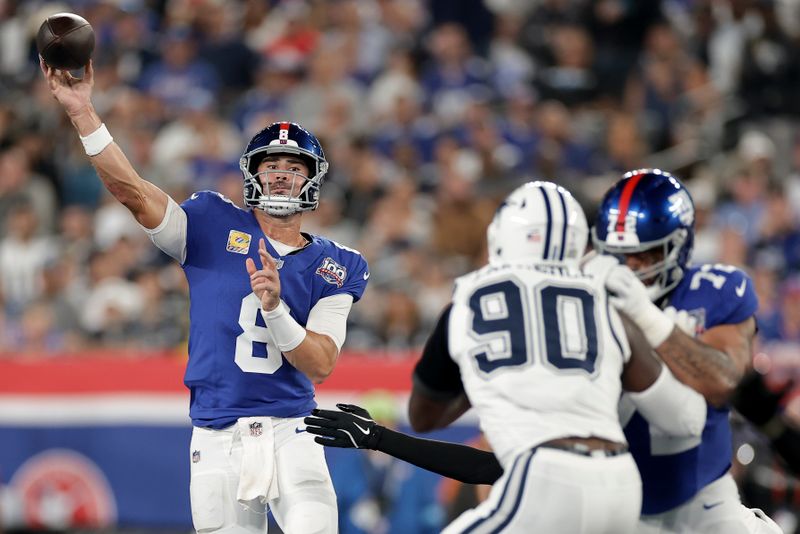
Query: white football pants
{"x": 306, "y": 502}
{"x": 716, "y": 509}
{"x": 559, "y": 492}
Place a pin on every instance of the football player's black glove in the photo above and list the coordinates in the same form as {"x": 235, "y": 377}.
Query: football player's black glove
{"x": 756, "y": 402}
{"x": 351, "y": 428}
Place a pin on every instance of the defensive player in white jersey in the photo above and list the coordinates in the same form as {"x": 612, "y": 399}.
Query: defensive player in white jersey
{"x": 268, "y": 314}
{"x": 647, "y": 219}
{"x": 542, "y": 355}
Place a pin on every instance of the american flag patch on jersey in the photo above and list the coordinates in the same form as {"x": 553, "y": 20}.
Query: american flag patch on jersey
{"x": 238, "y": 242}
{"x": 332, "y": 272}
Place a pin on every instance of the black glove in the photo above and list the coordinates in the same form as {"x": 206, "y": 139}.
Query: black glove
{"x": 352, "y": 428}
{"x": 755, "y": 401}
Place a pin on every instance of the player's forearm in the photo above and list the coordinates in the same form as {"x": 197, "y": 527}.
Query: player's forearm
{"x": 709, "y": 371}
{"x": 315, "y": 356}
{"x": 459, "y": 462}
{"x": 146, "y": 202}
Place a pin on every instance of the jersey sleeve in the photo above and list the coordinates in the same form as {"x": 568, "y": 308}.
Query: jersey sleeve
{"x": 436, "y": 373}
{"x": 200, "y": 209}
{"x": 738, "y": 298}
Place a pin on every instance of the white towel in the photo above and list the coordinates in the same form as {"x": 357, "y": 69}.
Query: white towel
{"x": 257, "y": 478}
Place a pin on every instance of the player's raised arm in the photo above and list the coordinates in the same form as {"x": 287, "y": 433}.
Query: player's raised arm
{"x": 147, "y": 202}
{"x": 713, "y": 370}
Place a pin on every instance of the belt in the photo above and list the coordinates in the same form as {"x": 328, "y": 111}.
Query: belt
{"x": 585, "y": 450}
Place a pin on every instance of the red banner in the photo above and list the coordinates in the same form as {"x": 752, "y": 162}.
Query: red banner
{"x": 112, "y": 372}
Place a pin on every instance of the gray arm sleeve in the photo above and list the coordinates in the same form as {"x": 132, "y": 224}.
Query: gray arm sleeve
{"x": 674, "y": 408}
{"x": 170, "y": 234}
{"x": 329, "y": 317}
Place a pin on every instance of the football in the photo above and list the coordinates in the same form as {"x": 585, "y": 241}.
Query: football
{"x": 65, "y": 41}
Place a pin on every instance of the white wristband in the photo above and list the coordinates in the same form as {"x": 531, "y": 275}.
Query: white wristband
{"x": 654, "y": 323}
{"x": 286, "y": 332}
{"x": 97, "y": 141}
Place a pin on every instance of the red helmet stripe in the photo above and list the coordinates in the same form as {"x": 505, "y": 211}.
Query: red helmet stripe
{"x": 625, "y": 200}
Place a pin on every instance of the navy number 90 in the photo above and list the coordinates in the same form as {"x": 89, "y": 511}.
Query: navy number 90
{"x": 567, "y": 326}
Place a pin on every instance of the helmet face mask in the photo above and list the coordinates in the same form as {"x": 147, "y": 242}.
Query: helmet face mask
{"x": 283, "y": 138}
{"x": 538, "y": 222}
{"x": 648, "y": 211}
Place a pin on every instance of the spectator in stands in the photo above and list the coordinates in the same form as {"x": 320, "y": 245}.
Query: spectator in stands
{"x": 23, "y": 255}
{"x": 179, "y": 72}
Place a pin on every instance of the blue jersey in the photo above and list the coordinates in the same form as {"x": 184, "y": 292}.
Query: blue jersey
{"x": 674, "y": 469}
{"x": 234, "y": 370}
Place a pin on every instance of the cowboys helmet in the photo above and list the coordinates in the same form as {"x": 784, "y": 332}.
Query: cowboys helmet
{"x": 648, "y": 208}
{"x": 303, "y": 193}
{"x": 540, "y": 222}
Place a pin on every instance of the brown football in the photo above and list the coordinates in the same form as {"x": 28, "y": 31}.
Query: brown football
{"x": 65, "y": 41}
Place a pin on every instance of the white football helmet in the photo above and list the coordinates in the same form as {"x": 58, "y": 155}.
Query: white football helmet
{"x": 539, "y": 222}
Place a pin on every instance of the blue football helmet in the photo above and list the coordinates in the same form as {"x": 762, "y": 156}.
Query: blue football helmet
{"x": 648, "y": 208}
{"x": 283, "y": 138}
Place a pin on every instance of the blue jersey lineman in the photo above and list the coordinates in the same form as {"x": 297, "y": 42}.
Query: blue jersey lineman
{"x": 647, "y": 219}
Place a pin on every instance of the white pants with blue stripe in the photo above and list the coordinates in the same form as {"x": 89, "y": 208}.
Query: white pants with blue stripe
{"x": 555, "y": 491}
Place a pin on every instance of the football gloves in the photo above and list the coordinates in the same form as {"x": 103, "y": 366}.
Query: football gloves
{"x": 629, "y": 295}
{"x": 756, "y": 401}
{"x": 351, "y": 428}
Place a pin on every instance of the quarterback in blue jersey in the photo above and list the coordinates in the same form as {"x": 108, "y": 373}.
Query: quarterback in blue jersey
{"x": 269, "y": 306}
{"x": 647, "y": 219}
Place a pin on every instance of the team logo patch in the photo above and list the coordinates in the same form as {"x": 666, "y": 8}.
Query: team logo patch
{"x": 256, "y": 429}
{"x": 238, "y": 242}
{"x": 332, "y": 272}
{"x": 195, "y": 457}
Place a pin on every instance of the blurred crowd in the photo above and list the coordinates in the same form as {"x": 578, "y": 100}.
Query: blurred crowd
{"x": 429, "y": 113}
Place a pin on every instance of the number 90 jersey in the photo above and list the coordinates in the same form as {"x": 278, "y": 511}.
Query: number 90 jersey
{"x": 540, "y": 352}
{"x": 234, "y": 370}
{"x": 674, "y": 469}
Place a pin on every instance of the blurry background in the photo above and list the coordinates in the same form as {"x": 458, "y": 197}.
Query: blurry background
{"x": 429, "y": 111}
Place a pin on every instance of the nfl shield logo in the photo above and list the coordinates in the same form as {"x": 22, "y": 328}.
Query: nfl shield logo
{"x": 195, "y": 456}
{"x": 255, "y": 429}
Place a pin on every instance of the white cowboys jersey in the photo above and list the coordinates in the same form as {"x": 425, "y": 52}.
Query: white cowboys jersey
{"x": 540, "y": 352}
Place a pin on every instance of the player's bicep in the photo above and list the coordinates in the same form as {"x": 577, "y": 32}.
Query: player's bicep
{"x": 329, "y": 317}
{"x": 437, "y": 396}
{"x": 170, "y": 234}
{"x": 436, "y": 375}
{"x": 735, "y": 340}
